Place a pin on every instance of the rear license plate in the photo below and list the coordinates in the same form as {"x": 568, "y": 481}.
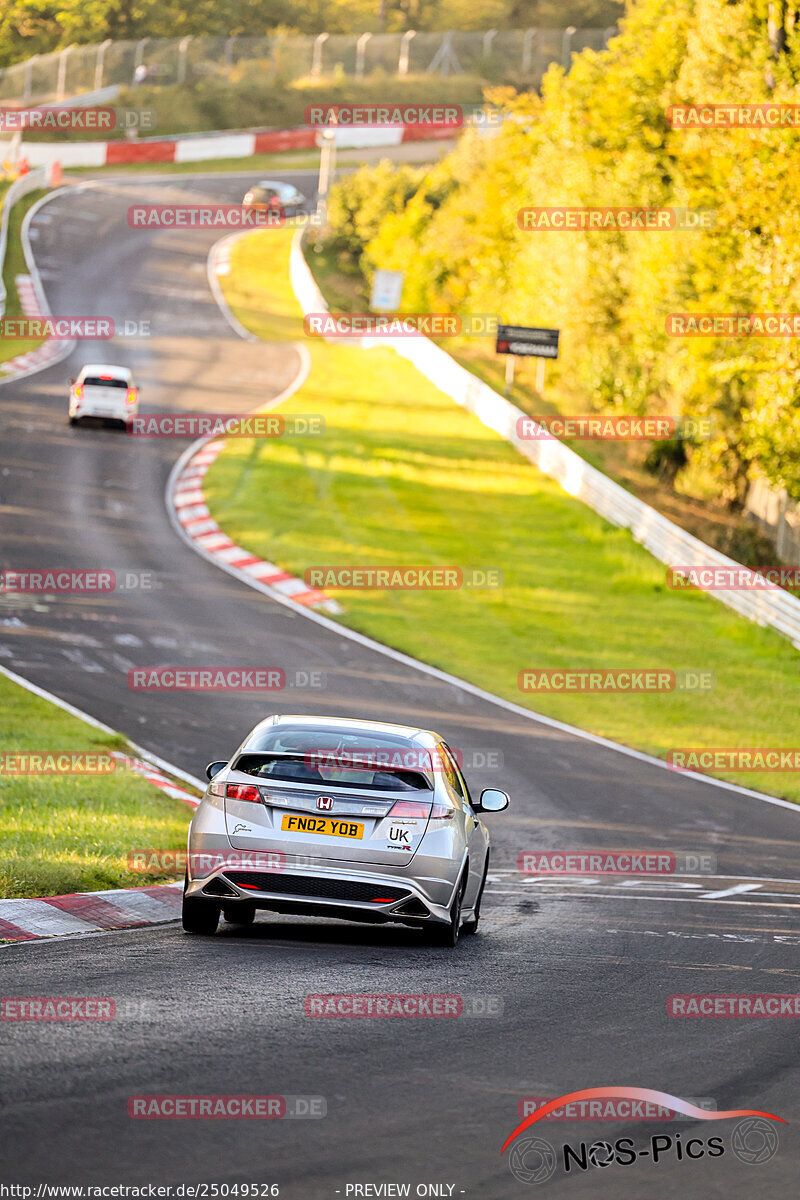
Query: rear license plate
{"x": 327, "y": 825}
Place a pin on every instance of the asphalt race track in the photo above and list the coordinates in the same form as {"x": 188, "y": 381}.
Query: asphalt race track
{"x": 583, "y": 969}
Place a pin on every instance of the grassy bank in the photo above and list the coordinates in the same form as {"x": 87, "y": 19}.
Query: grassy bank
{"x": 405, "y": 476}
{"x": 15, "y": 265}
{"x": 259, "y": 99}
{"x": 69, "y": 833}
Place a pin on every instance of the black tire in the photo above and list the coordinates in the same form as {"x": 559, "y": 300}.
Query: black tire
{"x": 447, "y": 936}
{"x": 73, "y": 420}
{"x": 199, "y": 915}
{"x": 472, "y": 925}
{"x": 239, "y": 914}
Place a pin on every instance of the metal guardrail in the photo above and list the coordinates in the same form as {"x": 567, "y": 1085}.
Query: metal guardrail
{"x": 507, "y": 55}
{"x": 666, "y": 541}
{"x": 37, "y": 178}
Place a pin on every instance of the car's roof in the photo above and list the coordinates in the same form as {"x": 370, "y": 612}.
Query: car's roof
{"x": 106, "y": 369}
{"x": 408, "y": 733}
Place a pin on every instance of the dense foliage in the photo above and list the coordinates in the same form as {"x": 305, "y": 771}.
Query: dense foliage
{"x": 600, "y": 136}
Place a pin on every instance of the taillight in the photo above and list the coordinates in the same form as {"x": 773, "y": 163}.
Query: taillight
{"x": 131, "y": 396}
{"x": 243, "y": 791}
{"x": 411, "y": 808}
{"x": 421, "y": 809}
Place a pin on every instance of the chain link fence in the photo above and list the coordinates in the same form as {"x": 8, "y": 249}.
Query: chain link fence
{"x": 504, "y": 56}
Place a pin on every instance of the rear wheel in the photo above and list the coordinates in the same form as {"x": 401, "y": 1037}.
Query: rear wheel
{"x": 447, "y": 935}
{"x": 199, "y": 915}
{"x": 471, "y": 926}
{"x": 239, "y": 914}
{"x": 73, "y": 420}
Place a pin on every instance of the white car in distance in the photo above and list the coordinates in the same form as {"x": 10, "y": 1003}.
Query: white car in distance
{"x": 105, "y": 392}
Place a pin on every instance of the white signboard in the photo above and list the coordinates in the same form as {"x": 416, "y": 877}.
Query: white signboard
{"x": 387, "y": 288}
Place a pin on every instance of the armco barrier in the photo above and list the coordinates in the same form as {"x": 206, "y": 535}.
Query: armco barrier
{"x": 26, "y": 183}
{"x": 665, "y": 541}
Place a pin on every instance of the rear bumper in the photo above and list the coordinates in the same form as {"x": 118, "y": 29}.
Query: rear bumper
{"x": 106, "y": 412}
{"x": 348, "y": 894}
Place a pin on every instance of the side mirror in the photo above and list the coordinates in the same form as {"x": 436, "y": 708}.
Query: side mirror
{"x": 492, "y": 800}
{"x": 214, "y": 768}
{"x": 71, "y": 382}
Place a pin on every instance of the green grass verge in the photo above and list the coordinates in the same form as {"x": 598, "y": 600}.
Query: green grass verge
{"x": 15, "y": 265}
{"x": 405, "y": 476}
{"x": 70, "y": 833}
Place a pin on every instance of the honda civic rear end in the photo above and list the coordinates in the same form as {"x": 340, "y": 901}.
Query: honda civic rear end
{"x": 313, "y": 819}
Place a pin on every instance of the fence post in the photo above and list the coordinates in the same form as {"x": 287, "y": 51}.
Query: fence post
{"x": 138, "y": 56}
{"x": 565, "y": 46}
{"x": 405, "y": 51}
{"x": 316, "y": 58}
{"x": 99, "y": 64}
{"x": 61, "y": 85}
{"x": 229, "y": 51}
{"x": 361, "y": 53}
{"x": 26, "y": 88}
{"x": 527, "y": 49}
{"x": 183, "y": 46}
{"x": 445, "y": 59}
{"x": 488, "y": 38}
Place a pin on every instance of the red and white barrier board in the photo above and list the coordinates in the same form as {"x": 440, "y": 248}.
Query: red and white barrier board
{"x": 205, "y": 146}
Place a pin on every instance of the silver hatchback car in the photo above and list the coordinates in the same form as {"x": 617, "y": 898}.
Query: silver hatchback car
{"x": 337, "y": 818}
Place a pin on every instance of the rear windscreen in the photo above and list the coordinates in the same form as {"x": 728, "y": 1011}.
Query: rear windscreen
{"x": 99, "y": 381}
{"x": 306, "y": 768}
